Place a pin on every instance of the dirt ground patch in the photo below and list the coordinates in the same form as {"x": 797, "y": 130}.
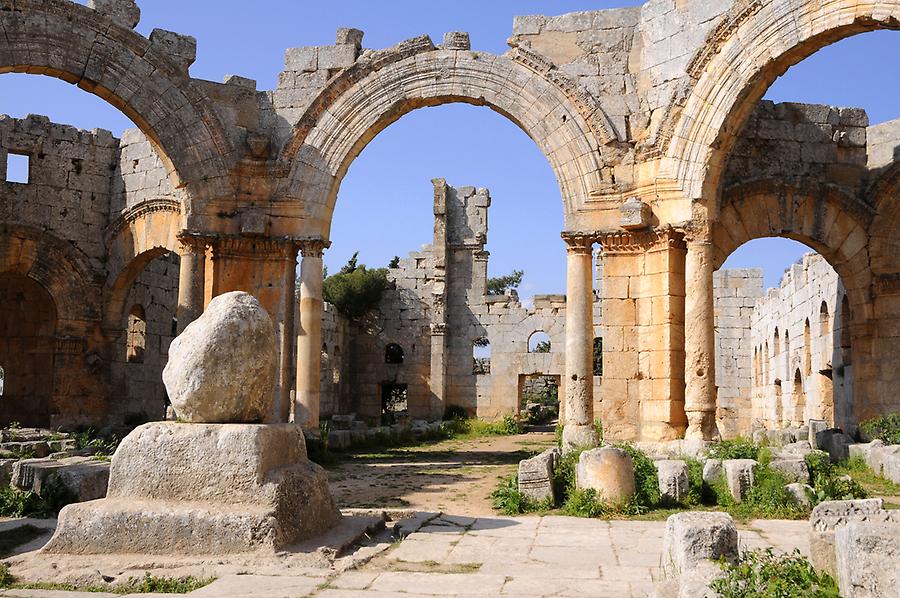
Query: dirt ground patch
{"x": 454, "y": 476}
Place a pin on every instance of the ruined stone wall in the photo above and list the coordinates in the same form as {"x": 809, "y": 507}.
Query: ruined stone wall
{"x": 79, "y": 184}
{"x": 337, "y": 346}
{"x": 801, "y": 144}
{"x": 800, "y": 335}
{"x": 736, "y": 292}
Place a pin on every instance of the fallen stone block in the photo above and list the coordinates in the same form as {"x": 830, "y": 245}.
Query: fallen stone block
{"x": 831, "y": 515}
{"x": 801, "y": 493}
{"x": 834, "y": 442}
{"x": 740, "y": 474}
{"x": 795, "y": 450}
{"x": 816, "y": 426}
{"x": 692, "y": 537}
{"x": 712, "y": 471}
{"x": 6, "y": 469}
{"x": 862, "y": 450}
{"x": 868, "y": 559}
{"x": 793, "y": 470}
{"x": 536, "y": 475}
{"x": 607, "y": 470}
{"x": 673, "y": 480}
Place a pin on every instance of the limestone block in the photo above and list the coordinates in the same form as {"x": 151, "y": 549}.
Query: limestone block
{"x": 692, "y": 537}
{"x": 712, "y": 470}
{"x": 800, "y": 493}
{"x": 6, "y": 468}
{"x": 739, "y": 476}
{"x": 182, "y": 49}
{"x": 795, "y": 450}
{"x": 867, "y": 557}
{"x": 348, "y": 35}
{"x": 862, "y": 450}
{"x": 794, "y": 470}
{"x": 202, "y": 489}
{"x": 222, "y": 367}
{"x": 124, "y": 12}
{"x": 634, "y": 214}
{"x": 536, "y": 475}
{"x": 816, "y": 426}
{"x": 673, "y": 480}
{"x": 337, "y": 57}
{"x": 457, "y": 40}
{"x": 83, "y": 478}
{"x": 609, "y": 471}
{"x": 834, "y": 442}
{"x": 830, "y": 515}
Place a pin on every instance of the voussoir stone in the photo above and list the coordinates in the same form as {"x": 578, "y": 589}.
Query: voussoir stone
{"x": 609, "y": 471}
{"x": 222, "y": 368}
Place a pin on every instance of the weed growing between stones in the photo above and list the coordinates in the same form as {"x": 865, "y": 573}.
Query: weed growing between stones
{"x": 870, "y": 481}
{"x": 18, "y": 503}
{"x": 828, "y": 483}
{"x": 762, "y": 574}
{"x": 508, "y": 500}
{"x": 148, "y": 584}
{"x": 738, "y": 448}
{"x": 885, "y": 428}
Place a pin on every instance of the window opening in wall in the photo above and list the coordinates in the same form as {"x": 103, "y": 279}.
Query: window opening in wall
{"x": 137, "y": 335}
{"x": 393, "y": 354}
{"x": 481, "y": 356}
{"x": 824, "y": 320}
{"x": 846, "y": 317}
{"x": 17, "y": 168}
{"x": 539, "y": 342}
{"x": 807, "y": 350}
{"x": 394, "y": 405}
{"x": 598, "y": 356}
{"x": 2, "y": 379}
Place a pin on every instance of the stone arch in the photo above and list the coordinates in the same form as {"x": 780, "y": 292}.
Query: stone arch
{"x": 830, "y": 222}
{"x": 754, "y": 43}
{"x": 57, "y": 266}
{"x": 535, "y": 340}
{"x": 377, "y": 91}
{"x": 142, "y": 234}
{"x": 81, "y": 46}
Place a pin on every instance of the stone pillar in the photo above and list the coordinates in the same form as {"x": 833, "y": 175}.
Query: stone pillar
{"x": 191, "y": 279}
{"x": 309, "y": 334}
{"x": 263, "y": 267}
{"x": 699, "y": 341}
{"x": 579, "y": 383}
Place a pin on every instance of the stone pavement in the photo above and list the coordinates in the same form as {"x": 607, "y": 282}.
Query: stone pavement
{"x": 444, "y": 555}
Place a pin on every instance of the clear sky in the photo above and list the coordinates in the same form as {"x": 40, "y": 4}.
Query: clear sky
{"x": 384, "y": 207}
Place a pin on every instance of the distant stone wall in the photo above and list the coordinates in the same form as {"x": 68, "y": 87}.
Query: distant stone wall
{"x": 736, "y": 292}
{"x": 801, "y": 349}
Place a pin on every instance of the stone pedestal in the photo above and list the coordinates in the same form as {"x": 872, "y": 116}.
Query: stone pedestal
{"x": 202, "y": 489}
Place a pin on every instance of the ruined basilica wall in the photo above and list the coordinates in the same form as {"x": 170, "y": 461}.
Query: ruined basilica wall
{"x": 800, "y": 372}
{"x": 735, "y": 292}
{"x": 76, "y": 189}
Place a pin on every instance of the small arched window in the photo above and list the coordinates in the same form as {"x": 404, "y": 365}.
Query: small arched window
{"x": 539, "y": 342}
{"x": 137, "y": 335}
{"x": 2, "y": 379}
{"x": 824, "y": 320}
{"x": 393, "y": 354}
{"x": 807, "y": 349}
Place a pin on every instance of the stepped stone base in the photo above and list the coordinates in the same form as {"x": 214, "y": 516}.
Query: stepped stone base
{"x": 202, "y": 489}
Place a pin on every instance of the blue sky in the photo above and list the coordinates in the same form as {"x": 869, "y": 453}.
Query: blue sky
{"x": 384, "y": 207}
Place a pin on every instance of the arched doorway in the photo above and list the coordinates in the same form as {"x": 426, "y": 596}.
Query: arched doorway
{"x": 27, "y": 346}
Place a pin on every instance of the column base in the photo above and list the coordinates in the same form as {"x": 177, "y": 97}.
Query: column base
{"x": 702, "y": 426}
{"x": 578, "y": 436}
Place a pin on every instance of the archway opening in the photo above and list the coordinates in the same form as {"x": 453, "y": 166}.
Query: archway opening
{"x": 28, "y": 347}
{"x": 774, "y": 351}
{"x": 539, "y": 342}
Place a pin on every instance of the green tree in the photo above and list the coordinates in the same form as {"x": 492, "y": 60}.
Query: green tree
{"x": 394, "y": 263}
{"x": 501, "y": 284}
{"x": 542, "y": 347}
{"x": 356, "y": 290}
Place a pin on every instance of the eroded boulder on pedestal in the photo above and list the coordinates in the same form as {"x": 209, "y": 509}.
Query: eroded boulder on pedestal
{"x": 202, "y": 489}
{"x": 607, "y": 470}
{"x": 221, "y": 369}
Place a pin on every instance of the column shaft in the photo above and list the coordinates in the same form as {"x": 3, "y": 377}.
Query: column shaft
{"x": 309, "y": 335}
{"x": 191, "y": 280}
{"x": 699, "y": 342}
{"x": 579, "y": 395}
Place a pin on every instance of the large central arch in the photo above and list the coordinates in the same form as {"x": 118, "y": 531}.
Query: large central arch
{"x": 567, "y": 126}
{"x": 737, "y": 65}
{"x": 68, "y": 41}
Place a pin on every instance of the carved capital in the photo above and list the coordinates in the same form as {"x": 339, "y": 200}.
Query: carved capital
{"x": 633, "y": 242}
{"x": 253, "y": 248}
{"x": 438, "y": 328}
{"x": 579, "y": 242}
{"x": 313, "y": 247}
{"x": 191, "y": 242}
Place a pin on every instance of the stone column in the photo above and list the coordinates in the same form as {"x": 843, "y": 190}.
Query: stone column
{"x": 309, "y": 334}
{"x": 579, "y": 397}
{"x": 288, "y": 361}
{"x": 191, "y": 279}
{"x": 699, "y": 341}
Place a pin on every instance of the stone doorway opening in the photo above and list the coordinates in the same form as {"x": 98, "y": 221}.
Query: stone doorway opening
{"x": 539, "y": 398}
{"x": 394, "y": 403}
{"x": 28, "y": 324}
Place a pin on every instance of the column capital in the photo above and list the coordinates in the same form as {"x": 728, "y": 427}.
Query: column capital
{"x": 255, "y": 248}
{"x": 190, "y": 241}
{"x": 578, "y": 242}
{"x": 313, "y": 246}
